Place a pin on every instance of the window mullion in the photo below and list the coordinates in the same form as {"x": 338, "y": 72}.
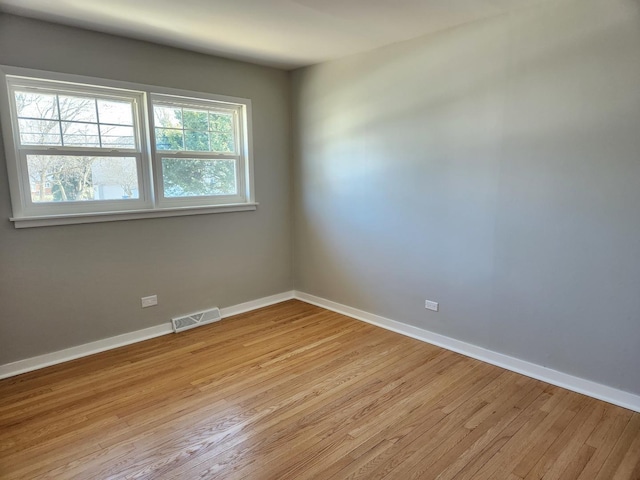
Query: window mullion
{"x": 184, "y": 137}
{"x": 59, "y": 120}
{"x": 95, "y": 101}
{"x": 202, "y": 155}
{"x": 83, "y": 153}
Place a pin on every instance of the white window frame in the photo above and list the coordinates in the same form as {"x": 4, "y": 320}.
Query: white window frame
{"x": 28, "y": 208}
{"x": 151, "y": 202}
{"x": 238, "y": 156}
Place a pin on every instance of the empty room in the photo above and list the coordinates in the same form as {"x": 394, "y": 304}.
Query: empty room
{"x": 320, "y": 239}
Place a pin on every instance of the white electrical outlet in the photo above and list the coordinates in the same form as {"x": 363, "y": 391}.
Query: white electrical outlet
{"x": 429, "y": 305}
{"x": 149, "y": 301}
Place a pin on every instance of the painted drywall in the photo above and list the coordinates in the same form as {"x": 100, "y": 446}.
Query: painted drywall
{"x": 68, "y": 285}
{"x": 494, "y": 168}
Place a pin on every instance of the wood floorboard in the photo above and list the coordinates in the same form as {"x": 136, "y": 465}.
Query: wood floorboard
{"x": 293, "y": 391}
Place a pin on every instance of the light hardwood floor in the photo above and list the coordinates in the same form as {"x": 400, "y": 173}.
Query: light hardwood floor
{"x": 293, "y": 391}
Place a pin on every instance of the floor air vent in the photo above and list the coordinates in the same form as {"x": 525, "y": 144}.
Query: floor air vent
{"x": 195, "y": 319}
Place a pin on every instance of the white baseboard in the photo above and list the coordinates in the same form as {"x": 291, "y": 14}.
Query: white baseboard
{"x": 560, "y": 379}
{"x": 48, "y": 359}
{"x": 255, "y": 304}
{"x": 570, "y": 382}
{"x": 41, "y": 361}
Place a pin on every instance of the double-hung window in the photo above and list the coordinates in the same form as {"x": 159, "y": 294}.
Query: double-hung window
{"x": 198, "y": 150}
{"x": 84, "y": 150}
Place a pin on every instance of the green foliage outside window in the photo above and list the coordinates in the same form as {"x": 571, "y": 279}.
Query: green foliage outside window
{"x": 197, "y": 131}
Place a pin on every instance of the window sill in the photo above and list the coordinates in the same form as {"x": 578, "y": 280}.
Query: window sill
{"x": 72, "y": 219}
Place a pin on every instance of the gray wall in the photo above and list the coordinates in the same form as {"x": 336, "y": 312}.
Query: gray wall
{"x": 64, "y": 286}
{"x": 494, "y": 168}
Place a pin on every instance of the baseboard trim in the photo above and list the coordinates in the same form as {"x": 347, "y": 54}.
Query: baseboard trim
{"x": 46, "y": 360}
{"x": 255, "y": 304}
{"x": 554, "y": 377}
{"x": 53, "y": 358}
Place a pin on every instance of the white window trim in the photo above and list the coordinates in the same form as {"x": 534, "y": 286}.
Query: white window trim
{"x": 242, "y": 147}
{"x": 27, "y": 208}
{"x": 151, "y": 203}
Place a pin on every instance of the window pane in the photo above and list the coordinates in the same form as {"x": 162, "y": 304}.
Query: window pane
{"x": 192, "y": 177}
{"x": 118, "y": 113}
{"x": 77, "y": 109}
{"x": 79, "y": 126}
{"x": 117, "y": 137}
{"x": 222, "y": 142}
{"x": 115, "y": 178}
{"x": 167, "y": 117}
{"x": 202, "y": 130}
{"x": 169, "y": 139}
{"x": 196, "y": 141}
{"x": 80, "y": 134}
{"x": 36, "y": 105}
{"x": 58, "y": 178}
{"x": 221, "y": 122}
{"x": 39, "y": 132}
{"x": 195, "y": 120}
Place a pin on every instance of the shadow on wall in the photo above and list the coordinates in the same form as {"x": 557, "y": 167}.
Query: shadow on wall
{"x": 385, "y": 170}
{"x": 489, "y": 166}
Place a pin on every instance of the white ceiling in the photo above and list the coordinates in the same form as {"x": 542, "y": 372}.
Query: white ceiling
{"x": 280, "y": 33}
